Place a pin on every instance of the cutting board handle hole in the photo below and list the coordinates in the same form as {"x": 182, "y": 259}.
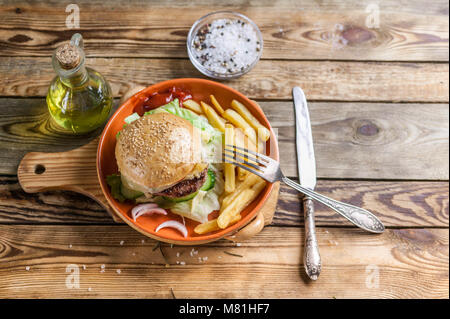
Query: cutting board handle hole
{"x": 39, "y": 169}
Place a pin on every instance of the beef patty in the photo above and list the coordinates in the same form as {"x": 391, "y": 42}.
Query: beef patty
{"x": 185, "y": 187}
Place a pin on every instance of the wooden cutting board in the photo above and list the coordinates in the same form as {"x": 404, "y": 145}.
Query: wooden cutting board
{"x": 76, "y": 171}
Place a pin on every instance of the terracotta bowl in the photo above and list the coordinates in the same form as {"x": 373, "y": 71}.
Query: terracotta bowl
{"x": 106, "y": 162}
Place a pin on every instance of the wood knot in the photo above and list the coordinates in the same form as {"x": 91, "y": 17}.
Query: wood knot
{"x": 417, "y": 237}
{"x": 20, "y": 38}
{"x": 368, "y": 129}
{"x": 368, "y": 132}
{"x": 356, "y": 35}
{"x": 18, "y": 10}
{"x": 68, "y": 56}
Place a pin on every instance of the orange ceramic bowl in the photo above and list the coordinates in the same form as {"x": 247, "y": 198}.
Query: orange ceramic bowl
{"x": 106, "y": 162}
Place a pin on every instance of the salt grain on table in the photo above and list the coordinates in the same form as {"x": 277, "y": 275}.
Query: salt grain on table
{"x": 193, "y": 252}
{"x": 226, "y": 46}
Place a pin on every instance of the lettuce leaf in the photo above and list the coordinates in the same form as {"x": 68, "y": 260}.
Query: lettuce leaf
{"x": 133, "y": 117}
{"x": 114, "y": 182}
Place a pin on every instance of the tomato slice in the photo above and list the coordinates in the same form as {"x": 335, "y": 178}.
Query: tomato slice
{"x": 158, "y": 99}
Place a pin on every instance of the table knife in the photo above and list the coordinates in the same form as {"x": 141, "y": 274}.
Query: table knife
{"x": 307, "y": 176}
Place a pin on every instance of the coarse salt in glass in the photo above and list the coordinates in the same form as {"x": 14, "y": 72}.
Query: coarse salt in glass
{"x": 224, "y": 45}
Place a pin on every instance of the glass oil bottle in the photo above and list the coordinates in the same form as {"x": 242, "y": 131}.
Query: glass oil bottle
{"x": 79, "y": 99}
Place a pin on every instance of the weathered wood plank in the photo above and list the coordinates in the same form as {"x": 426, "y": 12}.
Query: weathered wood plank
{"x": 352, "y": 140}
{"x": 324, "y": 80}
{"x": 360, "y": 140}
{"x": 407, "y": 263}
{"x": 291, "y": 30}
{"x": 398, "y": 204}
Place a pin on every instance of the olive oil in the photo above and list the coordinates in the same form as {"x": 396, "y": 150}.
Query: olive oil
{"x": 79, "y": 99}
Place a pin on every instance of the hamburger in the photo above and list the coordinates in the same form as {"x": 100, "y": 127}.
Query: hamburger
{"x": 158, "y": 155}
{"x": 161, "y": 158}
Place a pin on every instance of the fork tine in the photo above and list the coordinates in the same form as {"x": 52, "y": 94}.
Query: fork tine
{"x": 246, "y": 156}
{"x": 247, "y": 168}
{"x": 264, "y": 157}
{"x": 245, "y": 162}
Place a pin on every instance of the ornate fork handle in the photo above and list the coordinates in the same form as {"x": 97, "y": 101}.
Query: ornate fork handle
{"x": 356, "y": 215}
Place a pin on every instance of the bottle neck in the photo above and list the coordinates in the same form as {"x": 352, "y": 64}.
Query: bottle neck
{"x": 75, "y": 79}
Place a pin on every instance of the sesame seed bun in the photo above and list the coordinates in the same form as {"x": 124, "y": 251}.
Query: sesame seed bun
{"x": 157, "y": 151}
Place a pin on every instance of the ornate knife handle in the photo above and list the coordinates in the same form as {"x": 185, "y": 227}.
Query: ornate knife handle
{"x": 311, "y": 258}
{"x": 356, "y": 215}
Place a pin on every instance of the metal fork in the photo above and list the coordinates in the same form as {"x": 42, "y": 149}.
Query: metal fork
{"x": 269, "y": 169}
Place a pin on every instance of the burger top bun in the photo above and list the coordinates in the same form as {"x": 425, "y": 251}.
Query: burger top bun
{"x": 157, "y": 151}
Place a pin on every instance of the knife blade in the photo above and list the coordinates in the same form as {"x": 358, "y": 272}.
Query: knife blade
{"x": 304, "y": 142}
{"x": 306, "y": 164}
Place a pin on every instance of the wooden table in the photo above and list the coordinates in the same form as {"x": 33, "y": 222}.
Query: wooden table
{"x": 379, "y": 110}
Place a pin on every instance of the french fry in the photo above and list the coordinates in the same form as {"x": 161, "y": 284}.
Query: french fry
{"x": 221, "y": 197}
{"x": 216, "y": 104}
{"x": 242, "y": 140}
{"x": 229, "y": 169}
{"x": 193, "y": 106}
{"x": 263, "y": 132}
{"x": 211, "y": 225}
{"x": 238, "y": 121}
{"x": 245, "y": 184}
{"x": 242, "y": 200}
{"x": 239, "y": 140}
{"x": 213, "y": 118}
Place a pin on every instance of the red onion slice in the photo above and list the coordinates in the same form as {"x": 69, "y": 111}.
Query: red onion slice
{"x": 173, "y": 224}
{"x": 146, "y": 209}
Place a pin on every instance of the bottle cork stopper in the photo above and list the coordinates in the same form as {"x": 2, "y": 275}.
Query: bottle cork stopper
{"x": 68, "y": 56}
